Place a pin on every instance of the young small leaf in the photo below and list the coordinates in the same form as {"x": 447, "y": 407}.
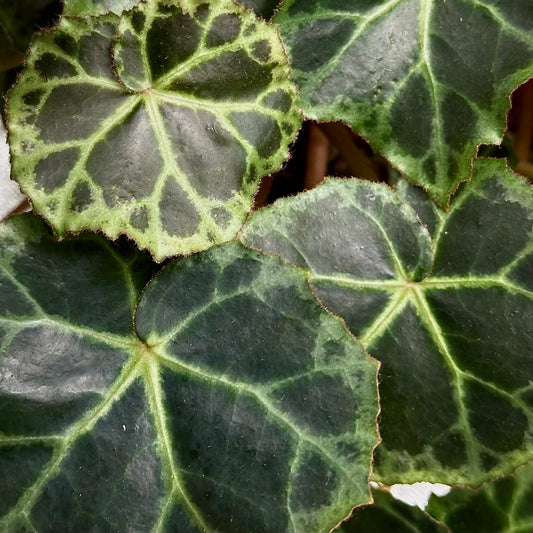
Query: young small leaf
{"x": 238, "y": 404}
{"x": 425, "y": 81}
{"x": 158, "y": 124}
{"x": 450, "y": 318}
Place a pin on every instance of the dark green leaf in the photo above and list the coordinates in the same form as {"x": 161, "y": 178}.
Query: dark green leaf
{"x": 427, "y": 210}
{"x": 425, "y": 81}
{"x": 500, "y": 507}
{"x": 158, "y": 124}
{"x": 238, "y": 405}
{"x": 388, "y": 515}
{"x": 503, "y": 506}
{"x": 264, "y": 8}
{"x": 9, "y": 190}
{"x": 451, "y": 319}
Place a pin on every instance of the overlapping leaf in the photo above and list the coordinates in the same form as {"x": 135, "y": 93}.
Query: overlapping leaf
{"x": 500, "y": 507}
{"x": 158, "y": 124}
{"x": 389, "y": 514}
{"x": 238, "y": 405}
{"x": 425, "y": 81}
{"x": 450, "y": 318}
{"x": 428, "y": 212}
{"x": 503, "y": 506}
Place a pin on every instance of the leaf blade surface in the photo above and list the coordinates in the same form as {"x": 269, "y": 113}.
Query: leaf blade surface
{"x": 158, "y": 124}
{"x": 421, "y": 80}
{"x": 205, "y": 421}
{"x": 454, "y": 402}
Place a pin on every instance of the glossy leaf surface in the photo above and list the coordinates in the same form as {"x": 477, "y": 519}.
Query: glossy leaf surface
{"x": 158, "y": 124}
{"x": 238, "y": 405}
{"x": 450, "y": 318}
{"x": 425, "y": 81}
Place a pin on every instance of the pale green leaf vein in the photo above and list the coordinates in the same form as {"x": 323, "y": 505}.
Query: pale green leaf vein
{"x": 255, "y": 392}
{"x": 380, "y": 325}
{"x": 425, "y": 313}
{"x": 168, "y": 155}
{"x": 155, "y": 396}
{"x": 332, "y": 64}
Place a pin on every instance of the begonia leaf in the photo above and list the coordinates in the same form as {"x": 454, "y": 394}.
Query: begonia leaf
{"x": 450, "y": 316}
{"x": 158, "y": 124}
{"x": 234, "y": 403}
{"x": 425, "y": 81}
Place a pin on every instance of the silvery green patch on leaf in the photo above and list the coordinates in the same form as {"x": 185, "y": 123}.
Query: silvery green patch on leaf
{"x": 425, "y": 81}
{"x": 450, "y": 317}
{"x": 158, "y": 124}
{"x": 263, "y": 8}
{"x": 233, "y": 401}
{"x": 97, "y": 7}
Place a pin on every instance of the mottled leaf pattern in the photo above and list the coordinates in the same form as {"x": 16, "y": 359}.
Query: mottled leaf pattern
{"x": 158, "y": 124}
{"x": 450, "y": 318}
{"x": 238, "y": 404}
{"x": 223, "y": 396}
{"x": 425, "y": 81}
